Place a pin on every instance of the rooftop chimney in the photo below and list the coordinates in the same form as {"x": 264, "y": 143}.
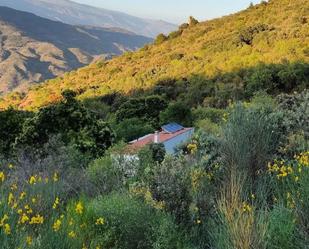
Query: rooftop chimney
{"x": 156, "y": 137}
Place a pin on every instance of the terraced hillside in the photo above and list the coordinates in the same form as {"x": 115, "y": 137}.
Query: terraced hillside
{"x": 270, "y": 33}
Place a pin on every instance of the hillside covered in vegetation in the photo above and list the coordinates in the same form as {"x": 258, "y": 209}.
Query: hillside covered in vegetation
{"x": 241, "y": 182}
{"x": 274, "y": 32}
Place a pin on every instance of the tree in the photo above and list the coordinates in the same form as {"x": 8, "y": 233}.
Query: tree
{"x": 157, "y": 152}
{"x": 262, "y": 79}
{"x": 145, "y": 108}
{"x": 160, "y": 39}
{"x": 192, "y": 21}
{"x": 11, "y": 122}
{"x": 75, "y": 124}
{"x": 177, "y": 112}
{"x": 130, "y": 129}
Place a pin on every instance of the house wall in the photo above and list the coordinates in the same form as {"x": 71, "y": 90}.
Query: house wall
{"x": 172, "y": 144}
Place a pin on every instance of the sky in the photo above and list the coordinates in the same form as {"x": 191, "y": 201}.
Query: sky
{"x": 175, "y": 11}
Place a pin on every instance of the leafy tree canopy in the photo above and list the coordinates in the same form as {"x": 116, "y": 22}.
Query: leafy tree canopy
{"x": 72, "y": 121}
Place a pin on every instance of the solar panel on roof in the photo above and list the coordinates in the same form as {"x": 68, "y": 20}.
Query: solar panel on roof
{"x": 172, "y": 127}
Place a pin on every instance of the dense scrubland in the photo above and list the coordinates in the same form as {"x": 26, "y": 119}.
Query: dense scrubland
{"x": 241, "y": 182}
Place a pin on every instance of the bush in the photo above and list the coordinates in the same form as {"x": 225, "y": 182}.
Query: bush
{"x": 146, "y": 108}
{"x": 104, "y": 175}
{"x": 11, "y": 122}
{"x": 129, "y": 224}
{"x": 170, "y": 184}
{"x": 208, "y": 126}
{"x": 281, "y": 230}
{"x": 157, "y": 152}
{"x": 160, "y": 39}
{"x": 133, "y": 128}
{"x": 192, "y": 21}
{"x": 177, "y": 112}
{"x": 174, "y": 34}
{"x": 262, "y": 79}
{"x": 215, "y": 115}
{"x": 250, "y": 139}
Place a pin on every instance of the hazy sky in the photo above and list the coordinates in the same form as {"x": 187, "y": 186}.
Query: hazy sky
{"x": 176, "y": 11}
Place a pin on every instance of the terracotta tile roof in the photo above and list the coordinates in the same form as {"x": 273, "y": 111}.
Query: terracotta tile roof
{"x": 148, "y": 139}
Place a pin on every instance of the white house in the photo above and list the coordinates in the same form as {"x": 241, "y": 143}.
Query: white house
{"x": 171, "y": 136}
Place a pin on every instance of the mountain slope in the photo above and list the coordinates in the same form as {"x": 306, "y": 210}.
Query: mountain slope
{"x": 79, "y": 14}
{"x": 33, "y": 49}
{"x": 274, "y": 32}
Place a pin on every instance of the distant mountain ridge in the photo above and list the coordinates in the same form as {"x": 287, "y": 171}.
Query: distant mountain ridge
{"x": 33, "y": 49}
{"x": 79, "y": 14}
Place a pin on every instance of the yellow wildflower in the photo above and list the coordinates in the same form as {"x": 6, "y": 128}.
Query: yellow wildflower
{"x": 38, "y": 219}
{"x": 303, "y": 158}
{"x": 22, "y": 195}
{"x": 56, "y": 203}
{"x": 29, "y": 240}
{"x": 57, "y": 225}
{"x": 7, "y": 229}
{"x": 24, "y": 218}
{"x": 3, "y": 220}
{"x": 72, "y": 234}
{"x": 2, "y": 176}
{"x": 192, "y": 148}
{"x": 32, "y": 180}
{"x": 246, "y": 207}
{"x": 10, "y": 199}
{"x": 55, "y": 177}
{"x": 14, "y": 206}
{"x": 100, "y": 221}
{"x": 29, "y": 211}
{"x": 79, "y": 208}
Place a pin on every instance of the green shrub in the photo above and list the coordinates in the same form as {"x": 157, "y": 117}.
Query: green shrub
{"x": 11, "y": 122}
{"x": 170, "y": 183}
{"x": 250, "y": 138}
{"x": 129, "y": 224}
{"x": 208, "y": 126}
{"x": 177, "y": 112}
{"x": 104, "y": 175}
{"x": 147, "y": 108}
{"x": 174, "y": 34}
{"x": 160, "y": 39}
{"x": 133, "y": 128}
{"x": 281, "y": 230}
{"x": 215, "y": 115}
